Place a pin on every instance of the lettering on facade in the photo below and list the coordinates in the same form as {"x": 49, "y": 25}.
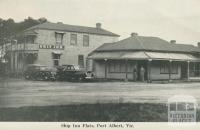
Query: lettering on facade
{"x": 42, "y": 46}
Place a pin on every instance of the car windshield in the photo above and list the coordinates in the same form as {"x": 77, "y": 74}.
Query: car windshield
{"x": 70, "y": 67}
{"x": 76, "y": 67}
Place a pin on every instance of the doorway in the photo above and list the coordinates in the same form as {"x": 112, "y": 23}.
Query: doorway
{"x": 184, "y": 70}
{"x": 140, "y": 64}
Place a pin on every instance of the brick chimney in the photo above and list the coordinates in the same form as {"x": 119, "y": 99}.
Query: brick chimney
{"x": 173, "y": 41}
{"x": 98, "y": 25}
{"x": 133, "y": 34}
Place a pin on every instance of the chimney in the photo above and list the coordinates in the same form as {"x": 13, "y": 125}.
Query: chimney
{"x": 133, "y": 34}
{"x": 173, "y": 41}
{"x": 98, "y": 25}
{"x": 198, "y": 44}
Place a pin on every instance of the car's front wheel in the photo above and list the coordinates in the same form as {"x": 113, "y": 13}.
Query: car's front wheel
{"x": 80, "y": 79}
{"x": 45, "y": 78}
{"x": 27, "y": 77}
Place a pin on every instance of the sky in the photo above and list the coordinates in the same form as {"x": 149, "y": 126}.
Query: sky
{"x": 168, "y": 19}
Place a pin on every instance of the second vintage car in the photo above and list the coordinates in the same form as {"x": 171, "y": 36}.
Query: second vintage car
{"x": 73, "y": 72}
{"x": 40, "y": 72}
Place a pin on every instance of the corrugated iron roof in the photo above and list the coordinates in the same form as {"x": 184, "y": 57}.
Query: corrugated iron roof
{"x": 107, "y": 55}
{"x": 73, "y": 28}
{"x": 172, "y": 56}
{"x": 141, "y": 55}
{"x": 148, "y": 44}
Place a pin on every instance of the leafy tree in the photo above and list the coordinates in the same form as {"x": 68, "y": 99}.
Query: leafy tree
{"x": 9, "y": 27}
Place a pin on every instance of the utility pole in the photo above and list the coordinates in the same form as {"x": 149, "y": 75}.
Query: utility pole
{"x": 16, "y": 57}
{"x": 24, "y": 49}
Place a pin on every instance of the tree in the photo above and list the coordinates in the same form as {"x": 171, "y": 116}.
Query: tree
{"x": 9, "y": 27}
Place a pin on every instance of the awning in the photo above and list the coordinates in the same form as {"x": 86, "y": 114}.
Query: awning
{"x": 57, "y": 52}
{"x": 106, "y": 55}
{"x": 172, "y": 56}
{"x": 144, "y": 55}
{"x": 30, "y": 52}
{"x": 60, "y": 32}
{"x": 118, "y": 55}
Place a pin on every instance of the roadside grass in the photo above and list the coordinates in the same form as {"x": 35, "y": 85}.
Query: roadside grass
{"x": 120, "y": 112}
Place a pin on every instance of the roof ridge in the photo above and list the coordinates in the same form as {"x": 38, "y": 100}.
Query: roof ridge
{"x": 73, "y": 28}
{"x": 74, "y": 25}
{"x": 69, "y": 25}
{"x": 62, "y": 24}
{"x": 185, "y": 44}
{"x": 141, "y": 44}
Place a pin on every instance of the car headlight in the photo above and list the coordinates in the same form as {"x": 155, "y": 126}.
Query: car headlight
{"x": 86, "y": 74}
{"x": 53, "y": 73}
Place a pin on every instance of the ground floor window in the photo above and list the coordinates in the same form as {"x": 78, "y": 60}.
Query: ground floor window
{"x": 174, "y": 68}
{"x": 194, "y": 69}
{"x": 56, "y": 62}
{"x": 164, "y": 68}
{"x": 56, "y": 58}
{"x": 30, "y": 58}
{"x": 81, "y": 61}
{"x": 116, "y": 67}
{"x": 120, "y": 67}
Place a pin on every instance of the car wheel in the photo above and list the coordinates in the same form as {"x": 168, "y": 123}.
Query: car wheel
{"x": 37, "y": 78}
{"x": 80, "y": 79}
{"x": 46, "y": 78}
{"x": 27, "y": 77}
{"x": 53, "y": 79}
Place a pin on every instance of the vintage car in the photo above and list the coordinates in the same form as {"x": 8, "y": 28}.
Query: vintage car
{"x": 73, "y": 72}
{"x": 40, "y": 72}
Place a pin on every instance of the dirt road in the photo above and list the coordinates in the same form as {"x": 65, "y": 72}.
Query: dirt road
{"x": 17, "y": 93}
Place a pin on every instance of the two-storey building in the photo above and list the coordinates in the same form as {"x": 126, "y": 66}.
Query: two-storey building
{"x": 54, "y": 44}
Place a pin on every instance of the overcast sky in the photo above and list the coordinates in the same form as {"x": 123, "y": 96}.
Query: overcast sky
{"x": 168, "y": 19}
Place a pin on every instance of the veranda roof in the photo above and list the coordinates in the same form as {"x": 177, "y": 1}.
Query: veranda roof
{"x": 143, "y": 55}
{"x": 172, "y": 56}
{"x": 118, "y": 55}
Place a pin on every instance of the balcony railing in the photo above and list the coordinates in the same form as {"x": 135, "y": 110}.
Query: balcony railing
{"x": 22, "y": 47}
{"x": 31, "y": 46}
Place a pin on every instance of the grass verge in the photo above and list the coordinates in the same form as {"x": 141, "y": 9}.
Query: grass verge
{"x": 122, "y": 112}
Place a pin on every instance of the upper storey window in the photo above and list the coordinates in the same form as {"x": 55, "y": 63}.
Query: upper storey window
{"x": 73, "y": 39}
{"x": 59, "y": 38}
{"x": 86, "y": 40}
{"x": 30, "y": 39}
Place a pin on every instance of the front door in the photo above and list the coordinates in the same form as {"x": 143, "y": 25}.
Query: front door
{"x": 184, "y": 70}
{"x": 141, "y": 64}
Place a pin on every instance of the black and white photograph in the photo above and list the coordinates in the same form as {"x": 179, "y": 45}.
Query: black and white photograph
{"x": 100, "y": 61}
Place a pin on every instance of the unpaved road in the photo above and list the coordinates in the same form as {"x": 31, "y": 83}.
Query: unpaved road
{"x": 17, "y": 93}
